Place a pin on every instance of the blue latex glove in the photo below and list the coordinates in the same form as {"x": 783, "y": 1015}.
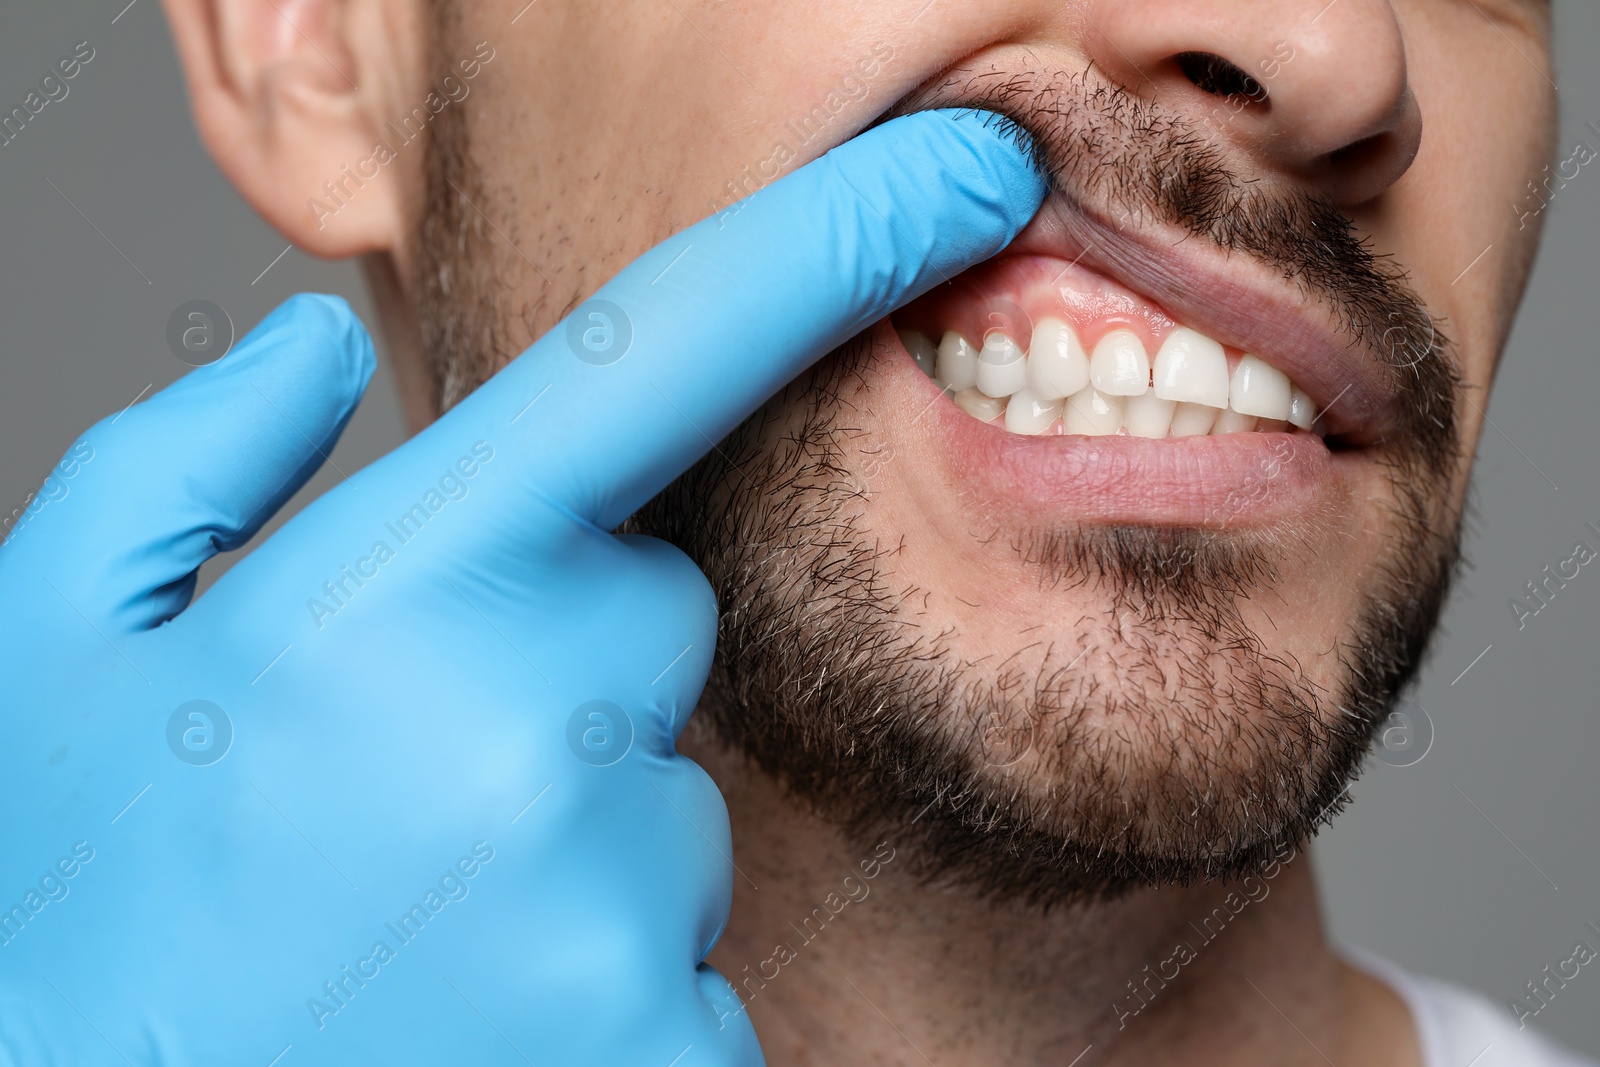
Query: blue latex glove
{"x": 428, "y": 809}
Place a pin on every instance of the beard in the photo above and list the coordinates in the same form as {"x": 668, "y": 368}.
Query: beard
{"x": 1159, "y": 739}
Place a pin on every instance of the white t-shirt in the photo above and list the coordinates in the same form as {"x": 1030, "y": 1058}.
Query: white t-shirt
{"x": 1461, "y": 1029}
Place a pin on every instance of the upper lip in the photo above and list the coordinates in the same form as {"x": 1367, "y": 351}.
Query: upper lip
{"x": 1235, "y": 299}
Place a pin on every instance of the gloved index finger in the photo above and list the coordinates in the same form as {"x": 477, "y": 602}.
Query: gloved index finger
{"x": 673, "y": 353}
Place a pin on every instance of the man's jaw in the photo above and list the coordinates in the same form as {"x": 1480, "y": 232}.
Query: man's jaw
{"x": 1198, "y": 633}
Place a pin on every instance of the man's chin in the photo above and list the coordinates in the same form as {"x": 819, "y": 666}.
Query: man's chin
{"x": 1154, "y": 731}
{"x": 1047, "y": 782}
{"x": 1080, "y": 815}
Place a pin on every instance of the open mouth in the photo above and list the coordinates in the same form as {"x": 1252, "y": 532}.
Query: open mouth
{"x": 1129, "y": 360}
{"x": 1038, "y": 349}
{"x": 1106, "y": 378}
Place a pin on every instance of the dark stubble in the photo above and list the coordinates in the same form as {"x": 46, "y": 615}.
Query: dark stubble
{"x": 1157, "y": 741}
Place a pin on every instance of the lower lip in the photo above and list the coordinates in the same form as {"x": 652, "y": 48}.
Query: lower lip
{"x": 1240, "y": 479}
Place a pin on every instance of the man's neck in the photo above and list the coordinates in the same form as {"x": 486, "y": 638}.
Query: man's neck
{"x": 841, "y": 957}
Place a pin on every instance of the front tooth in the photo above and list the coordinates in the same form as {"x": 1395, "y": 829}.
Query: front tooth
{"x": 1149, "y": 415}
{"x": 981, "y": 407}
{"x": 1002, "y": 366}
{"x": 1258, "y": 388}
{"x": 957, "y": 366}
{"x": 1301, "y": 412}
{"x": 1231, "y": 421}
{"x": 922, "y": 350}
{"x": 1191, "y": 367}
{"x": 1057, "y": 365}
{"x": 1093, "y": 413}
{"x": 1119, "y": 366}
{"x": 1192, "y": 420}
{"x": 1026, "y": 413}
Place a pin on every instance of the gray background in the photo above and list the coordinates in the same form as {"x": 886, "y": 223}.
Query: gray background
{"x": 1478, "y": 863}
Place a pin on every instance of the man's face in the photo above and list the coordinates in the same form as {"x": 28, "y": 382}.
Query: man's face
{"x": 1089, "y": 657}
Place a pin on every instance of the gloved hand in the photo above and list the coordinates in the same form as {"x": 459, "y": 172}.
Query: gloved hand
{"x": 401, "y": 788}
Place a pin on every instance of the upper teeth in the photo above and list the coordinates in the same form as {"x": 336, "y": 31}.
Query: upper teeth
{"x": 1192, "y": 367}
{"x": 1187, "y": 391}
{"x": 957, "y": 367}
{"x": 1119, "y": 366}
{"x": 1002, "y": 365}
{"x": 1057, "y": 366}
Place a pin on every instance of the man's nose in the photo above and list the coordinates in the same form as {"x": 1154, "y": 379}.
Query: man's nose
{"x": 1314, "y": 90}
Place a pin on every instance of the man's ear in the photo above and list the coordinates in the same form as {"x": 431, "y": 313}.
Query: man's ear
{"x": 291, "y": 98}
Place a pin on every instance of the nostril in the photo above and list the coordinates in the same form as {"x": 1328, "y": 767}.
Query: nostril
{"x": 1363, "y": 153}
{"x": 1212, "y": 74}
